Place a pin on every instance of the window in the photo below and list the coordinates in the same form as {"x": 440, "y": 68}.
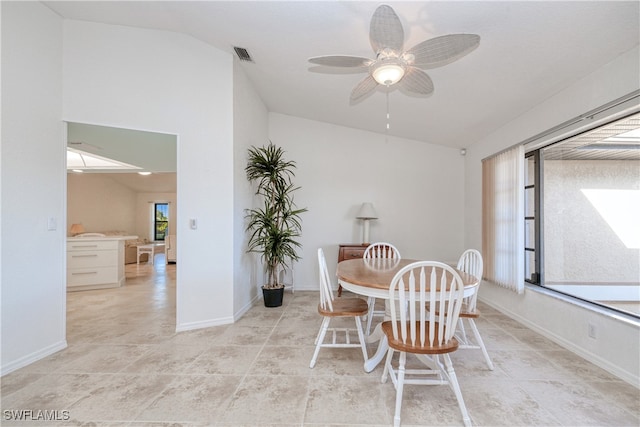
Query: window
{"x": 531, "y": 219}
{"x": 161, "y": 221}
{"x": 582, "y": 202}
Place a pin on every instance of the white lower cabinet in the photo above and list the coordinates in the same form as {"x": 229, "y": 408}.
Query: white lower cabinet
{"x": 94, "y": 264}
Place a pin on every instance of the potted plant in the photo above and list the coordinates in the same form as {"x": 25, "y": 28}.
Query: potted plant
{"x": 275, "y": 225}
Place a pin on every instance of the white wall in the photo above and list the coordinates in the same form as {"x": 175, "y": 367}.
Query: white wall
{"x": 33, "y": 185}
{"x": 100, "y": 204}
{"x": 617, "y": 346}
{"x": 166, "y": 82}
{"x": 416, "y": 188}
{"x": 250, "y": 127}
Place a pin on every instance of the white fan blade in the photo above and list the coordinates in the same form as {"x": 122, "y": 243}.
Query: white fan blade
{"x": 416, "y": 81}
{"x": 386, "y": 30}
{"x": 340, "y": 61}
{"x": 363, "y": 88}
{"x": 443, "y": 50}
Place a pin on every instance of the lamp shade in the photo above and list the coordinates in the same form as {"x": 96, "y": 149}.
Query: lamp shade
{"x": 388, "y": 73}
{"x": 367, "y": 212}
{"x": 76, "y": 229}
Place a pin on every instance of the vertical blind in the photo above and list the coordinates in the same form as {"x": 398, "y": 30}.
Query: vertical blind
{"x": 503, "y": 218}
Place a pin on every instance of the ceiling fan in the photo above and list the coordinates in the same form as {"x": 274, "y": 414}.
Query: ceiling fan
{"x": 393, "y": 65}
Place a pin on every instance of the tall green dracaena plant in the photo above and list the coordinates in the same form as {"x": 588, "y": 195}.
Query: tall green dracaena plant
{"x": 276, "y": 225}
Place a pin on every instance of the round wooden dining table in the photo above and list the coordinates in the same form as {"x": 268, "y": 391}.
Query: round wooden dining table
{"x": 372, "y": 278}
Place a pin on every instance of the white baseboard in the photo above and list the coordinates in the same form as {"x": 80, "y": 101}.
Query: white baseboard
{"x": 203, "y": 324}
{"x": 246, "y": 308}
{"x": 580, "y": 351}
{"x": 33, "y": 357}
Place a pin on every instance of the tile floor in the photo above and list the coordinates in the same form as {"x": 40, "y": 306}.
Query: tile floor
{"x": 125, "y": 366}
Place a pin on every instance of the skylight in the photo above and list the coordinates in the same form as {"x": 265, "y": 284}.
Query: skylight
{"x": 80, "y": 160}
{"x": 621, "y": 210}
{"x": 631, "y": 137}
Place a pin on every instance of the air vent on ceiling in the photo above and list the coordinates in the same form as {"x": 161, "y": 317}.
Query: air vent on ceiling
{"x": 243, "y": 54}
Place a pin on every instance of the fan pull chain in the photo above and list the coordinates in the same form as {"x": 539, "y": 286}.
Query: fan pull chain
{"x": 387, "y": 110}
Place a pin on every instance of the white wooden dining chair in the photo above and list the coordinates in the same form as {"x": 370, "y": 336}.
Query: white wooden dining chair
{"x": 428, "y": 334}
{"x": 471, "y": 262}
{"x": 330, "y": 308}
{"x": 378, "y": 250}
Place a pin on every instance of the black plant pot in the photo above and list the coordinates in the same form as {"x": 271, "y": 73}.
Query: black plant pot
{"x": 273, "y": 297}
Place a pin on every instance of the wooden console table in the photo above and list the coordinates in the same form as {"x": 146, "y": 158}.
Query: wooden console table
{"x": 350, "y": 251}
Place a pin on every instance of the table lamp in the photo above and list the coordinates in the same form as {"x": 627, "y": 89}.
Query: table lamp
{"x": 366, "y": 213}
{"x": 76, "y": 229}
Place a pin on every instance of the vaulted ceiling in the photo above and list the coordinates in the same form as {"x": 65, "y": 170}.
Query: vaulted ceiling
{"x": 528, "y": 52}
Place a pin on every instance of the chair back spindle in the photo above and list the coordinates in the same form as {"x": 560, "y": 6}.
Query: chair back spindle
{"x": 381, "y": 250}
{"x": 326, "y": 294}
{"x": 418, "y": 286}
{"x": 427, "y": 300}
{"x": 471, "y": 263}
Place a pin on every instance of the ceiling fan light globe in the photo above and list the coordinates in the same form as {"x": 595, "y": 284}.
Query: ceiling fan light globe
{"x": 388, "y": 73}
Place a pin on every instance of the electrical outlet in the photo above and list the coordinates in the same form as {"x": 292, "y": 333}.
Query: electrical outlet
{"x": 592, "y": 330}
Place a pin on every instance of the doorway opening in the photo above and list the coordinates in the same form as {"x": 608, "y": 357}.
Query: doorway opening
{"x": 116, "y": 202}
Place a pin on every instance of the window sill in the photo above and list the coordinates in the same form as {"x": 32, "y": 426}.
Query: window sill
{"x": 587, "y": 305}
